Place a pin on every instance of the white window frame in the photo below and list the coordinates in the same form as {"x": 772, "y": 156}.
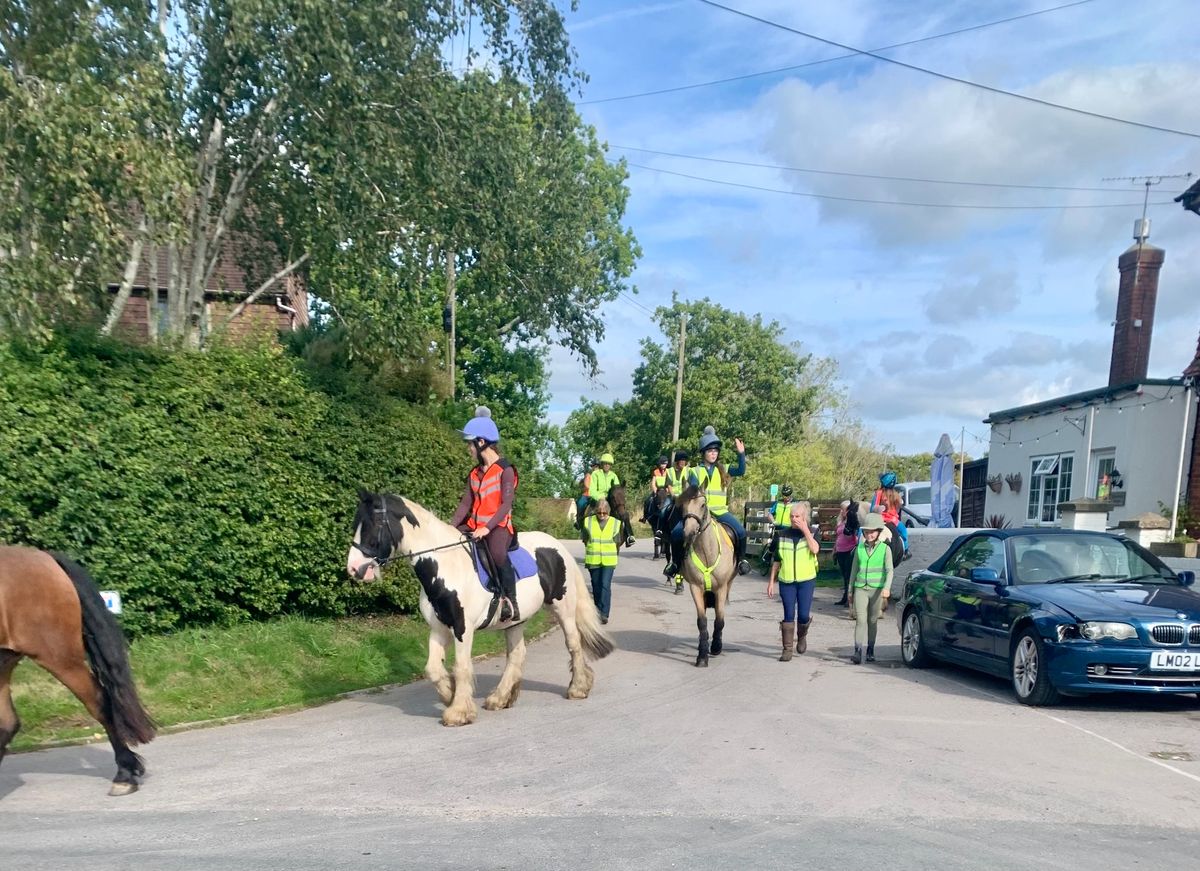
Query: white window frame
{"x": 1035, "y": 509}
{"x": 1098, "y": 459}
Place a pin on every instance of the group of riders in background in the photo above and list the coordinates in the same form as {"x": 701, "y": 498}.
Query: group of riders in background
{"x": 672, "y": 475}
{"x": 485, "y": 512}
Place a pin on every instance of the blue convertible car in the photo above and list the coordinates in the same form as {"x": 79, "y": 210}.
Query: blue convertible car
{"x": 1058, "y": 612}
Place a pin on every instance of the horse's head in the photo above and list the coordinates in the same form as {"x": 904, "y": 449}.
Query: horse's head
{"x": 378, "y": 532}
{"x": 616, "y": 501}
{"x": 693, "y": 506}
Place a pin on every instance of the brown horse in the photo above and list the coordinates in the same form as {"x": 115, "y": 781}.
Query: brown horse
{"x": 52, "y": 612}
{"x": 616, "y": 502}
{"x": 708, "y": 566}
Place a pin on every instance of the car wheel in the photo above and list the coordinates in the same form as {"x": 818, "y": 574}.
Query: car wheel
{"x": 912, "y": 642}
{"x": 1030, "y": 677}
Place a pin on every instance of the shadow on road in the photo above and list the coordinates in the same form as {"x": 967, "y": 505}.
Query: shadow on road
{"x": 87, "y": 760}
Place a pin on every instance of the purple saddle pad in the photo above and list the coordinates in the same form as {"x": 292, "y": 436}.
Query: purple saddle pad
{"x": 521, "y": 559}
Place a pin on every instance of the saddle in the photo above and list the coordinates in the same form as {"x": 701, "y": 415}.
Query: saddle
{"x": 523, "y": 562}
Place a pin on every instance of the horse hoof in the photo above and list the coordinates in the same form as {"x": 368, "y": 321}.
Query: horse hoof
{"x": 716, "y": 651}
{"x": 458, "y": 718}
{"x": 123, "y": 788}
{"x": 493, "y": 703}
{"x": 702, "y": 662}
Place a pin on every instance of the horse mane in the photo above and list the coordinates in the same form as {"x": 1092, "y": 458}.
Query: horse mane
{"x": 689, "y": 495}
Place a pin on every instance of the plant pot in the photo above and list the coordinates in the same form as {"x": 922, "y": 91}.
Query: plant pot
{"x": 1179, "y": 549}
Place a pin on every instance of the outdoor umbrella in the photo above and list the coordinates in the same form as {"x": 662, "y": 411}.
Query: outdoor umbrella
{"x": 941, "y": 484}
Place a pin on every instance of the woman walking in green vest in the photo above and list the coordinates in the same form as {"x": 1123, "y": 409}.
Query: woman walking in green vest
{"x": 600, "y": 532}
{"x": 870, "y": 585}
{"x": 795, "y": 567}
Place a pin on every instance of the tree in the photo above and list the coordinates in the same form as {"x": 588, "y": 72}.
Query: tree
{"x": 87, "y": 176}
{"x": 740, "y": 375}
{"x": 326, "y": 137}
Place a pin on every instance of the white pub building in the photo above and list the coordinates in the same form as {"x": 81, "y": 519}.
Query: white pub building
{"x": 1131, "y": 445}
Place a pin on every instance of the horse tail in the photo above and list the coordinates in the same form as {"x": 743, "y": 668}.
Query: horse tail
{"x": 596, "y": 644}
{"x": 108, "y": 655}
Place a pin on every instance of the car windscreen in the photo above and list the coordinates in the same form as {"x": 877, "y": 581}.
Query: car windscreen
{"x": 1047, "y": 559}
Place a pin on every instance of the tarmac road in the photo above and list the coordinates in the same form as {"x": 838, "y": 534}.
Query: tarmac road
{"x": 751, "y": 763}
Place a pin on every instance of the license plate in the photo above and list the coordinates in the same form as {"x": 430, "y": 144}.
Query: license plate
{"x": 1167, "y": 660}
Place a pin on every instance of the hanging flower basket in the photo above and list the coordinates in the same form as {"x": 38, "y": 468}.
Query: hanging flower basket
{"x": 995, "y": 483}
{"x": 1014, "y": 482}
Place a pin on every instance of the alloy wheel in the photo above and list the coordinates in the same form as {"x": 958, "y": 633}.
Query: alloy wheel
{"x": 1025, "y": 666}
{"x": 910, "y": 641}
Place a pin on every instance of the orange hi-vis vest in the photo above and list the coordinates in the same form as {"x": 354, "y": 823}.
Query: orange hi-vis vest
{"x": 485, "y": 491}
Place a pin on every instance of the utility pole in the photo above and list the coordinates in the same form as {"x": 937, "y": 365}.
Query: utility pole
{"x": 452, "y": 303}
{"x": 679, "y": 376}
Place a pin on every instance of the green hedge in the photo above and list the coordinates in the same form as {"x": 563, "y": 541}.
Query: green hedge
{"x": 207, "y": 488}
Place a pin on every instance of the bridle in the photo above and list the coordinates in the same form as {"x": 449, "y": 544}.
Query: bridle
{"x": 703, "y": 520}
{"x": 378, "y": 561}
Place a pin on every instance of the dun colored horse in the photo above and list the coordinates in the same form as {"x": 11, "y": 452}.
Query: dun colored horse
{"x": 51, "y": 612}
{"x": 708, "y": 567}
{"x": 456, "y": 605}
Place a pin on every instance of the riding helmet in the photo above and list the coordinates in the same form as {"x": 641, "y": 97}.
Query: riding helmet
{"x": 607, "y": 458}
{"x": 681, "y": 455}
{"x": 887, "y": 480}
{"x": 709, "y": 439}
{"x": 481, "y": 426}
{"x": 786, "y": 490}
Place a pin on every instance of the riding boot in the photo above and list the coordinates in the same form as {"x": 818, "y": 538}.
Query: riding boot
{"x": 739, "y": 556}
{"x": 673, "y": 566}
{"x": 857, "y": 657}
{"x": 870, "y": 653}
{"x": 788, "y": 631}
{"x": 508, "y": 589}
{"x": 802, "y": 636}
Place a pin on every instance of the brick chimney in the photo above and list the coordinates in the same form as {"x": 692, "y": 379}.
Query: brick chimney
{"x": 1139, "y": 267}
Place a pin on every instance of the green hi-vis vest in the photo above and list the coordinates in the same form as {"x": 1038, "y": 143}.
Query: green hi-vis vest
{"x": 602, "y": 482}
{"x": 796, "y": 562}
{"x": 676, "y": 478}
{"x": 783, "y": 514}
{"x": 872, "y": 568}
{"x": 714, "y": 490}
{"x": 602, "y": 542}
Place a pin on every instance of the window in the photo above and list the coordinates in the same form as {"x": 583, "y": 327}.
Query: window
{"x": 983, "y": 551}
{"x": 160, "y": 303}
{"x": 1102, "y": 485}
{"x": 1049, "y": 484}
{"x": 1050, "y": 557}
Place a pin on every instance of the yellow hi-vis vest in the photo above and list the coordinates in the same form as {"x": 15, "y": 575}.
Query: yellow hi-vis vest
{"x": 783, "y": 514}
{"x": 677, "y": 478}
{"x": 796, "y": 562}
{"x": 602, "y": 542}
{"x": 658, "y": 479}
{"x": 602, "y": 482}
{"x": 872, "y": 567}
{"x": 714, "y": 490}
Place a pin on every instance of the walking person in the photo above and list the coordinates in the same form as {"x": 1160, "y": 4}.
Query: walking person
{"x": 600, "y": 532}
{"x": 844, "y": 545}
{"x": 795, "y": 567}
{"x": 870, "y": 585}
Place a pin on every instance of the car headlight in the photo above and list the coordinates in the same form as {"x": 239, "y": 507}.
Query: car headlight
{"x": 1095, "y": 631}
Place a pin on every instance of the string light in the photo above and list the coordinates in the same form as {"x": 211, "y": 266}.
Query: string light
{"x": 1000, "y": 440}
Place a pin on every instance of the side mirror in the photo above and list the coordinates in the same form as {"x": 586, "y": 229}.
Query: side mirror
{"x": 985, "y": 576}
{"x": 1187, "y": 577}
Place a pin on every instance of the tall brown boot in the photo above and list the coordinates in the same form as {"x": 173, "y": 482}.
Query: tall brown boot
{"x": 802, "y": 636}
{"x": 788, "y": 631}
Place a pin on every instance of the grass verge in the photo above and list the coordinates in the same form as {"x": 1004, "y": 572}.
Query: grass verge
{"x": 200, "y": 675}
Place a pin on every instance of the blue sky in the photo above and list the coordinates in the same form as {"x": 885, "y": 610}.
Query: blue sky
{"x": 965, "y": 311}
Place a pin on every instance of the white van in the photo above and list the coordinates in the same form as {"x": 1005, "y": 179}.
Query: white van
{"x": 918, "y": 499}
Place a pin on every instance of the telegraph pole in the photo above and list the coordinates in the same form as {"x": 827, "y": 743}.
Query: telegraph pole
{"x": 679, "y": 376}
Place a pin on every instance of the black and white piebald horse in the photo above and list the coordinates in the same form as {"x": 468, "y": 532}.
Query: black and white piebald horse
{"x": 456, "y": 604}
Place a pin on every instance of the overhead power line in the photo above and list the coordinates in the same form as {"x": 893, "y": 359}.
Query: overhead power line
{"x": 986, "y": 184}
{"x": 827, "y": 60}
{"x": 983, "y": 206}
{"x": 946, "y": 76}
